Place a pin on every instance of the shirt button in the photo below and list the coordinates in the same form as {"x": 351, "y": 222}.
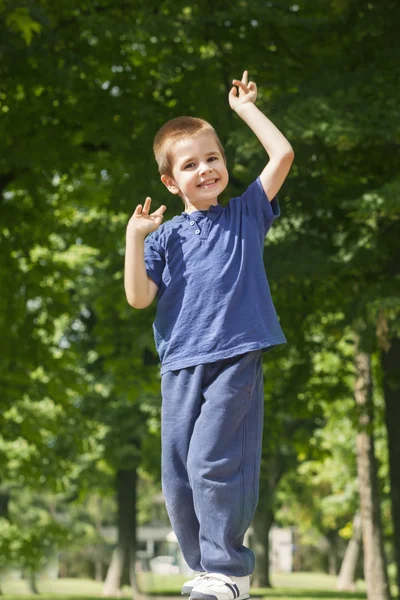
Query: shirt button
{"x": 197, "y": 231}
{"x": 192, "y": 222}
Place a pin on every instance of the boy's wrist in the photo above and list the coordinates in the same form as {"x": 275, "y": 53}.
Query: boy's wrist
{"x": 135, "y": 233}
{"x": 245, "y": 108}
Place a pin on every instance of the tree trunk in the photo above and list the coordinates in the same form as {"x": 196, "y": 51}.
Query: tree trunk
{"x": 297, "y": 564}
{"x": 99, "y": 549}
{"x": 112, "y": 583}
{"x": 122, "y": 566}
{"x": 347, "y": 576}
{"x": 273, "y": 468}
{"x": 390, "y": 360}
{"x": 263, "y": 521}
{"x": 332, "y": 562}
{"x": 98, "y": 568}
{"x": 4, "y": 502}
{"x": 375, "y": 570}
{"x": 332, "y": 539}
{"x": 32, "y": 582}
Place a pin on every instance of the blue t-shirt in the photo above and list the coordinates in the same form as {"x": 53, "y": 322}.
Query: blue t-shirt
{"x": 214, "y": 300}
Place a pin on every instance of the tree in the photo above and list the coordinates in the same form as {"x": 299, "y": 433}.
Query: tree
{"x": 347, "y": 575}
{"x": 375, "y": 567}
{"x": 83, "y": 90}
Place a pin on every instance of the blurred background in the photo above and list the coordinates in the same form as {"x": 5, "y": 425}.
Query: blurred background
{"x": 84, "y": 86}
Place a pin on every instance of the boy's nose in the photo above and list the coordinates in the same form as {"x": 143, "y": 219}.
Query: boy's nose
{"x": 205, "y": 168}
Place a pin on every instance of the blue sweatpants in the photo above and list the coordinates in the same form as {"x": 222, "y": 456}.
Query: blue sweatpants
{"x": 212, "y": 418}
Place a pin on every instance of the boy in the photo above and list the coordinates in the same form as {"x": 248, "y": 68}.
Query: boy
{"x": 214, "y": 319}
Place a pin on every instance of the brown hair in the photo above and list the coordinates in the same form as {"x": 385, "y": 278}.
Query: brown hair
{"x": 175, "y": 130}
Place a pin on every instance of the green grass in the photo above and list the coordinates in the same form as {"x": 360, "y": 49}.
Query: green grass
{"x": 296, "y": 586}
{"x": 303, "y": 586}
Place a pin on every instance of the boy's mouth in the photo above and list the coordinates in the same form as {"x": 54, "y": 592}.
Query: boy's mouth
{"x": 208, "y": 183}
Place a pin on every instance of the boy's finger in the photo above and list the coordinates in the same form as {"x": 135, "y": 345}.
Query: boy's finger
{"x": 159, "y": 212}
{"x": 138, "y": 210}
{"x": 146, "y": 206}
{"x": 240, "y": 85}
{"x": 245, "y": 77}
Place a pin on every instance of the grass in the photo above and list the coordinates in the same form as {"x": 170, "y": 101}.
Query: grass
{"x": 291, "y": 585}
{"x": 296, "y": 586}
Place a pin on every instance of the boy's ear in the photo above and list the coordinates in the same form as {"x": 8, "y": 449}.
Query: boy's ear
{"x": 170, "y": 184}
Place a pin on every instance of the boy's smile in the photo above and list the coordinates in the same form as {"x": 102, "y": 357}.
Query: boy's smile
{"x": 199, "y": 173}
{"x": 208, "y": 184}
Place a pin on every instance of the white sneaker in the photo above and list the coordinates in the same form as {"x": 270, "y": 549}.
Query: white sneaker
{"x": 189, "y": 585}
{"x": 215, "y": 586}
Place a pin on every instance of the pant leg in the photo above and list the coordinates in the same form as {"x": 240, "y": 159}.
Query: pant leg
{"x": 181, "y": 405}
{"x": 224, "y": 461}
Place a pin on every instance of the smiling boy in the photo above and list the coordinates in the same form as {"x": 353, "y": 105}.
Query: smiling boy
{"x": 215, "y": 317}
{"x": 199, "y": 172}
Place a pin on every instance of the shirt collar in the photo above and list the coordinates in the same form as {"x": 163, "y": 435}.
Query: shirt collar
{"x": 214, "y": 208}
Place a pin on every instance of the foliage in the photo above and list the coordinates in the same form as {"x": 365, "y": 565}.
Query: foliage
{"x": 83, "y": 89}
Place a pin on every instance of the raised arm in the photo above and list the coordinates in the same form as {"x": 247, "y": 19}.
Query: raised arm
{"x": 140, "y": 289}
{"x": 278, "y": 148}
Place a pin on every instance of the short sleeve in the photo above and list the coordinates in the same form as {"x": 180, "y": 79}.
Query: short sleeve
{"x": 267, "y": 211}
{"x": 255, "y": 203}
{"x": 154, "y": 258}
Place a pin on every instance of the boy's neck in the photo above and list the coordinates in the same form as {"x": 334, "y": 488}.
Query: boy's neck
{"x": 190, "y": 208}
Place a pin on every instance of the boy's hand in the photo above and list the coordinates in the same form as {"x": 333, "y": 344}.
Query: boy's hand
{"x": 247, "y": 92}
{"x": 144, "y": 223}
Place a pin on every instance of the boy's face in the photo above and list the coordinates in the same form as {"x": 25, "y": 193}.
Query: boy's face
{"x": 199, "y": 173}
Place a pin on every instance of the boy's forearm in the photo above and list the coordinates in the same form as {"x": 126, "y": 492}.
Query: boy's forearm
{"x": 135, "y": 275}
{"x": 274, "y": 142}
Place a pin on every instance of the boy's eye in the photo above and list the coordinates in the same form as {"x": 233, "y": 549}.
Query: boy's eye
{"x": 191, "y": 165}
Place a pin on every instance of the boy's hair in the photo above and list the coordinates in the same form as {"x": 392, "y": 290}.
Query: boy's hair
{"x": 175, "y": 130}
